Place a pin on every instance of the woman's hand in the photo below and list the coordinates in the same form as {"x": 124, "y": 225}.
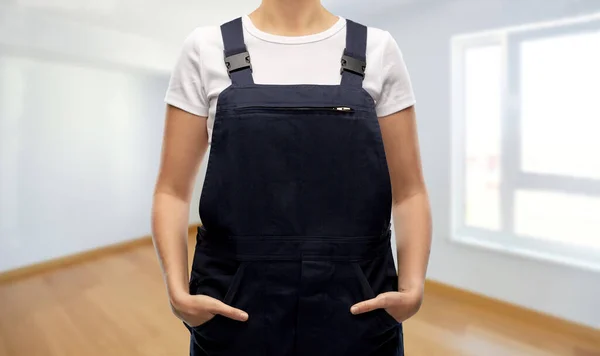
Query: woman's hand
{"x": 400, "y": 305}
{"x": 195, "y": 310}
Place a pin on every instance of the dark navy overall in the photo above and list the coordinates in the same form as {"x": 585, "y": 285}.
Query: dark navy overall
{"x": 296, "y": 210}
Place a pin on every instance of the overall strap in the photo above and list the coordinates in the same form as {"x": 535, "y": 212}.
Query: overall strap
{"x": 237, "y": 58}
{"x": 355, "y": 55}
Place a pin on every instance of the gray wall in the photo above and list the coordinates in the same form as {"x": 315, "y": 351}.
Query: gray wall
{"x": 423, "y": 31}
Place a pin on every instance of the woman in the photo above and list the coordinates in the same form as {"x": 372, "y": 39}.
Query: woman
{"x": 311, "y": 124}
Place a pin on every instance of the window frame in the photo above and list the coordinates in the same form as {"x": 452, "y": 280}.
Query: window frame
{"x": 505, "y": 239}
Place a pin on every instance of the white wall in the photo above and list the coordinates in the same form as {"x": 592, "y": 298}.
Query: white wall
{"x": 80, "y": 127}
{"x": 78, "y": 146}
{"x": 81, "y": 119}
{"x": 423, "y": 31}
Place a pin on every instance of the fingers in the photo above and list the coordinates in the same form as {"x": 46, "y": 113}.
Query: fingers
{"x": 230, "y": 312}
{"x": 379, "y": 302}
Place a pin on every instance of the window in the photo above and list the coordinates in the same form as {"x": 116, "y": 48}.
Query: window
{"x": 526, "y": 140}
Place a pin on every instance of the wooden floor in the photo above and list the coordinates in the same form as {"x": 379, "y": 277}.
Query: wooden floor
{"x": 116, "y": 305}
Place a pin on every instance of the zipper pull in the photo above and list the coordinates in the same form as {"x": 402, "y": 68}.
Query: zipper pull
{"x": 343, "y": 108}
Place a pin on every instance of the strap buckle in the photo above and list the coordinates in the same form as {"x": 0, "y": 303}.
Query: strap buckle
{"x": 353, "y": 65}
{"x": 238, "y": 62}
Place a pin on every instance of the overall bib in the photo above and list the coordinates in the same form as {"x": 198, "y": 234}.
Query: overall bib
{"x": 296, "y": 210}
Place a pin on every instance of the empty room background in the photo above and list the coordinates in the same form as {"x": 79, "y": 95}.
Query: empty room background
{"x": 81, "y": 118}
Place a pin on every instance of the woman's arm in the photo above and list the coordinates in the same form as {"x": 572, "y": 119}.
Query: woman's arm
{"x": 411, "y": 215}
{"x": 411, "y": 211}
{"x": 184, "y": 144}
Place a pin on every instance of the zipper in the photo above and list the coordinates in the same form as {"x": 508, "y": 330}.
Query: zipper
{"x": 341, "y": 109}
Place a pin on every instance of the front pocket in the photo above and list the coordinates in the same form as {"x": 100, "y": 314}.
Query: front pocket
{"x": 370, "y": 294}
{"x": 224, "y": 336}
{"x": 328, "y": 290}
{"x": 229, "y": 296}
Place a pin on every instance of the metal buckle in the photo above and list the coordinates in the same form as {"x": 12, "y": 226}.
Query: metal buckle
{"x": 238, "y": 62}
{"x": 353, "y": 65}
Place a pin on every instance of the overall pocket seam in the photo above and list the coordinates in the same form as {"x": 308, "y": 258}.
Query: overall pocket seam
{"x": 370, "y": 293}
{"x": 235, "y": 284}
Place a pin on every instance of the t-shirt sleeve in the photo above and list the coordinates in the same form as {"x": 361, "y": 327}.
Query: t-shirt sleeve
{"x": 396, "y": 91}
{"x": 186, "y": 90}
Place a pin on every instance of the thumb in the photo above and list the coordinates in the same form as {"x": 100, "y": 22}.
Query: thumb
{"x": 228, "y": 311}
{"x": 369, "y": 305}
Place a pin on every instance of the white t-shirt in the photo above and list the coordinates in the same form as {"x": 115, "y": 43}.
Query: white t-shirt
{"x": 200, "y": 73}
